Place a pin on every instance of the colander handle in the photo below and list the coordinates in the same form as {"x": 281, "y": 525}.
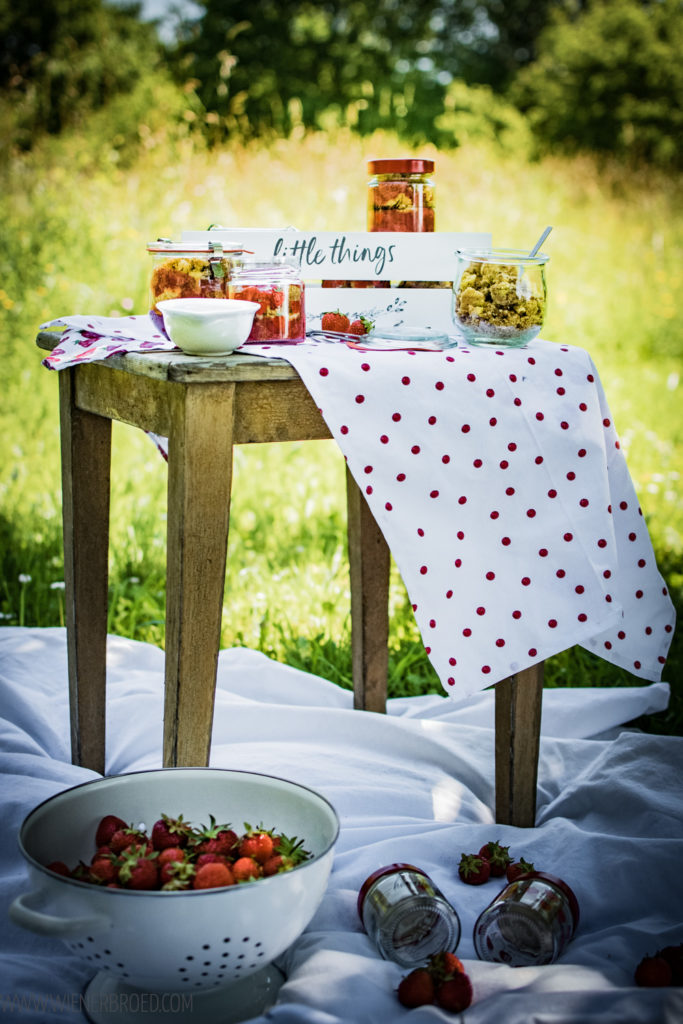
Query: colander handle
{"x": 49, "y": 924}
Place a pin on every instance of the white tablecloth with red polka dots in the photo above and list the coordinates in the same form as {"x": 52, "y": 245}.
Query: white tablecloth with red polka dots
{"x": 497, "y": 478}
{"x": 498, "y": 481}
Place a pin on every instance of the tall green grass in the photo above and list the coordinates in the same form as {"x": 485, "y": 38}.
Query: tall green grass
{"x": 75, "y": 225}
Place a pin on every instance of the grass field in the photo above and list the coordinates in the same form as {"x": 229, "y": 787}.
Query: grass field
{"x": 73, "y": 240}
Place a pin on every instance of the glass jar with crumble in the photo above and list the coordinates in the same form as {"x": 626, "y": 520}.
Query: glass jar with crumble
{"x": 406, "y": 915}
{"x": 529, "y": 923}
{"x": 188, "y": 270}
{"x": 400, "y": 195}
{"x": 277, "y": 286}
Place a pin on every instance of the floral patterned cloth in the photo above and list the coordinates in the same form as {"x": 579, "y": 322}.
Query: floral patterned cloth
{"x": 497, "y": 478}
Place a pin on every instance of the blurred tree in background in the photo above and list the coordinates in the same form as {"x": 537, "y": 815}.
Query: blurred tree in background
{"x": 602, "y": 75}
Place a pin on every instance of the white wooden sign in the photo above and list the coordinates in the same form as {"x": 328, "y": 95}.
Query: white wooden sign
{"x": 363, "y": 256}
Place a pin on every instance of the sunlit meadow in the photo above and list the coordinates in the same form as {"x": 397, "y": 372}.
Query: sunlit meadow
{"x": 75, "y": 231}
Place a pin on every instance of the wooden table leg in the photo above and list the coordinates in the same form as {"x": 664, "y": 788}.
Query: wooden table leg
{"x": 199, "y": 481}
{"x": 518, "y": 729}
{"x": 86, "y": 465}
{"x": 369, "y": 564}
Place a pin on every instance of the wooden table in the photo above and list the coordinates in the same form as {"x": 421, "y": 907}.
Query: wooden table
{"x": 204, "y": 407}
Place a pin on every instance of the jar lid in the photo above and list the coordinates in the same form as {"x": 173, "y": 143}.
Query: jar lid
{"x": 166, "y": 245}
{"x": 389, "y": 869}
{"x": 409, "y": 165}
{"x": 564, "y": 889}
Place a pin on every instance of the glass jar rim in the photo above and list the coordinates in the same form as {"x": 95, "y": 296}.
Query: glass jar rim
{"x": 249, "y": 261}
{"x": 501, "y": 256}
{"x": 388, "y": 869}
{"x": 168, "y": 247}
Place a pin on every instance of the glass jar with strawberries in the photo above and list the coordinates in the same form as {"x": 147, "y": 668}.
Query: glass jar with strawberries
{"x": 277, "y": 286}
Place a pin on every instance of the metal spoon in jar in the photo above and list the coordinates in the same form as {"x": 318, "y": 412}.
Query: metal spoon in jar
{"x": 540, "y": 242}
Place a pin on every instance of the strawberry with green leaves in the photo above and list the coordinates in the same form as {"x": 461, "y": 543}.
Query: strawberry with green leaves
{"x": 336, "y": 321}
{"x": 455, "y": 993}
{"x": 416, "y": 989}
{"x": 215, "y": 838}
{"x": 474, "y": 869}
{"x": 170, "y": 832}
{"x": 498, "y": 857}
{"x": 288, "y": 852}
{"x": 517, "y": 868}
{"x": 213, "y": 876}
{"x": 256, "y": 843}
{"x": 108, "y": 825}
{"x": 360, "y": 326}
{"x": 139, "y": 869}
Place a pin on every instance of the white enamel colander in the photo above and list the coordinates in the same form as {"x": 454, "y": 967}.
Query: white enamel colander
{"x": 186, "y": 941}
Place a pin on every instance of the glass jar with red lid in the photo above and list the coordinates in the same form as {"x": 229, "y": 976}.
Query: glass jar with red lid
{"x": 277, "y": 286}
{"x": 401, "y": 195}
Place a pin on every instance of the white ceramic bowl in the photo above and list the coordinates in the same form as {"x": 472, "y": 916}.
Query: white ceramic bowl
{"x": 208, "y": 327}
{"x": 187, "y": 941}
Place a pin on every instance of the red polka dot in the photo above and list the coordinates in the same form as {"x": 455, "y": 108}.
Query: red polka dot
{"x": 344, "y": 429}
{"x": 360, "y": 399}
{"x": 571, "y": 475}
{"x": 431, "y": 421}
{"x": 543, "y": 552}
{"x": 449, "y": 594}
{"x": 602, "y": 543}
{"x": 582, "y": 453}
{"x": 623, "y": 505}
{"x": 525, "y": 581}
{"x": 582, "y": 617}
{"x": 400, "y": 477}
{"x": 323, "y": 371}
{"x": 439, "y": 385}
{"x": 471, "y": 377}
{"x": 517, "y": 402}
{"x": 560, "y": 574}
{"x": 477, "y": 463}
{"x": 582, "y": 406}
{"x": 451, "y": 681}
{"x": 632, "y": 536}
{"x": 621, "y": 634}
{"x": 486, "y": 669}
{"x": 516, "y": 614}
{"x": 500, "y": 642}
{"x": 465, "y": 428}
{"x": 584, "y": 503}
{"x": 493, "y": 421}
{"x": 462, "y": 500}
{"x": 552, "y": 493}
{"x": 558, "y": 373}
{"x": 388, "y": 506}
{"x": 490, "y": 575}
{"x": 368, "y": 489}
{"x": 433, "y": 494}
{"x": 641, "y": 563}
{"x": 365, "y": 366}
{"x": 608, "y": 645}
{"x": 531, "y": 360}
{"x": 509, "y": 491}
{"x": 467, "y": 631}
{"x": 368, "y": 469}
{"x": 415, "y": 449}
{"x": 432, "y": 623}
{"x": 481, "y": 610}
{"x": 568, "y": 537}
{"x": 532, "y": 652}
{"x": 539, "y": 416}
{"x": 490, "y": 393}
{"x": 636, "y": 664}
{"x": 639, "y": 594}
{"x": 561, "y": 391}
{"x": 452, "y": 661}
{"x": 579, "y": 589}
{"x": 423, "y": 570}
{"x": 445, "y": 459}
{"x": 457, "y": 563}
{"x": 494, "y": 514}
{"x": 648, "y": 630}
{"x": 531, "y": 512}
{"x": 564, "y": 425}
{"x": 505, "y": 541}
{"x": 384, "y": 439}
{"x": 396, "y": 417}
{"x": 504, "y": 464}
{"x": 606, "y": 423}
{"x": 460, "y": 535}
{"x": 513, "y": 377}
{"x": 552, "y": 623}
{"x": 420, "y": 532}
{"x": 512, "y": 447}
{"x": 405, "y": 380}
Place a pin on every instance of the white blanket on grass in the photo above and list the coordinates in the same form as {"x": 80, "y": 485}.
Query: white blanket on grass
{"x": 415, "y": 785}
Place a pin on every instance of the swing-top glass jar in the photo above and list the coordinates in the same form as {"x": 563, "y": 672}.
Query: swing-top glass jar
{"x": 400, "y": 195}
{"x": 189, "y": 270}
{"x": 277, "y": 286}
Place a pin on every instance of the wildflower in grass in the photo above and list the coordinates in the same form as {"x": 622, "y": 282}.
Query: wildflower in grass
{"x": 24, "y": 577}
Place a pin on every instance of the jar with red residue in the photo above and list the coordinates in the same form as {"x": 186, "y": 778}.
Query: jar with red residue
{"x": 189, "y": 270}
{"x": 277, "y": 286}
{"x": 529, "y": 923}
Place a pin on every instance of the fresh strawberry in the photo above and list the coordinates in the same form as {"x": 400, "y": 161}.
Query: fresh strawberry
{"x": 213, "y": 876}
{"x": 215, "y": 838}
{"x": 245, "y": 869}
{"x": 498, "y": 857}
{"x": 125, "y": 837}
{"x": 256, "y": 843}
{"x": 454, "y": 994}
{"x": 167, "y": 832}
{"x": 674, "y": 957}
{"x": 444, "y": 965}
{"x": 59, "y": 868}
{"x": 109, "y": 824}
{"x": 139, "y": 870}
{"x": 288, "y": 852}
{"x": 167, "y": 858}
{"x": 474, "y": 869}
{"x": 211, "y": 858}
{"x": 517, "y": 868}
{"x": 361, "y": 326}
{"x": 416, "y": 989}
{"x": 336, "y": 321}
{"x": 104, "y": 870}
{"x": 653, "y": 972}
{"x": 176, "y": 875}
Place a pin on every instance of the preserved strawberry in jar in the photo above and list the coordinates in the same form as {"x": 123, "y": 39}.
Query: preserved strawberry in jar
{"x": 400, "y": 195}
{"x": 277, "y": 287}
